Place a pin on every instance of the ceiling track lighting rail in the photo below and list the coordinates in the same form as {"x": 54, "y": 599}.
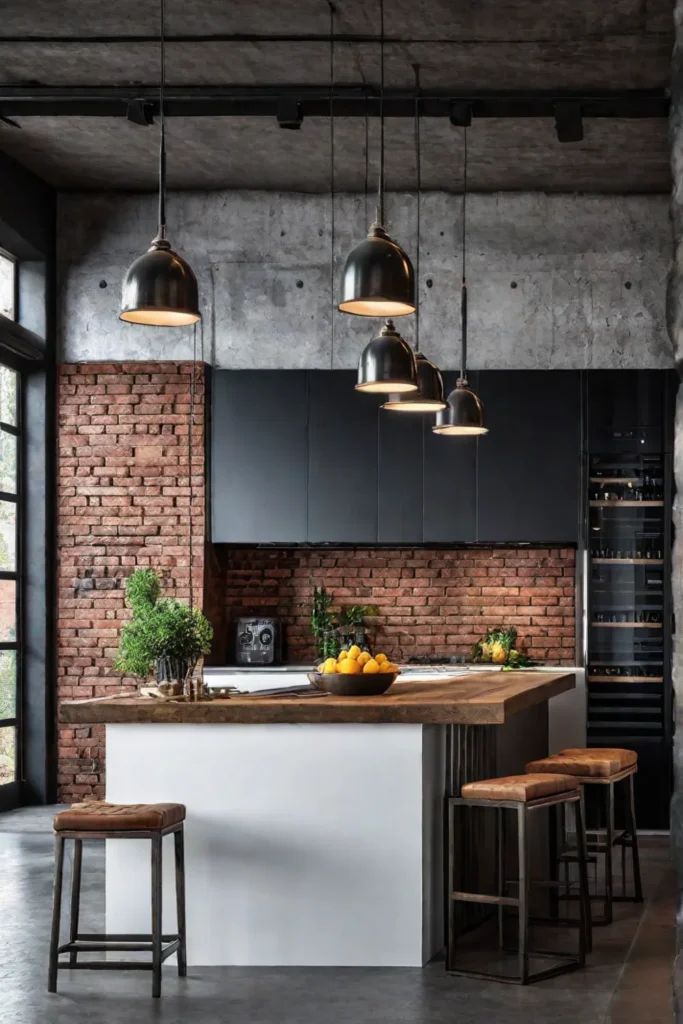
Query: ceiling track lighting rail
{"x": 314, "y": 101}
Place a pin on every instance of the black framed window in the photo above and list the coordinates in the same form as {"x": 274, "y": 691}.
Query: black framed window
{"x": 8, "y": 285}
{"x": 10, "y": 584}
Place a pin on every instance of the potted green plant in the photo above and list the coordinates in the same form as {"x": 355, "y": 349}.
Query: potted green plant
{"x": 164, "y": 635}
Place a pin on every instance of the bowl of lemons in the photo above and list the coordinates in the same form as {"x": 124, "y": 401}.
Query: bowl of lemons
{"x": 355, "y": 673}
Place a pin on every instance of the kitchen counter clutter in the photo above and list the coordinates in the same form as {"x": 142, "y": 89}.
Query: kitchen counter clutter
{"x": 314, "y": 832}
{"x": 465, "y": 698}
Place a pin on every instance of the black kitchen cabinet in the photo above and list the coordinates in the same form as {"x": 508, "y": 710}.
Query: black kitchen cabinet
{"x": 399, "y": 491}
{"x": 259, "y": 457}
{"x": 629, "y": 409}
{"x": 342, "y": 460}
{"x": 529, "y": 464}
{"x": 450, "y": 483}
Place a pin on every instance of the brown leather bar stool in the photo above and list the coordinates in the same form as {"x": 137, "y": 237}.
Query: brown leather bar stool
{"x": 522, "y": 794}
{"x": 603, "y": 767}
{"x": 100, "y": 820}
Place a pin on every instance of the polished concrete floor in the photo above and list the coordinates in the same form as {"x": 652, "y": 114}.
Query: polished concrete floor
{"x": 628, "y": 979}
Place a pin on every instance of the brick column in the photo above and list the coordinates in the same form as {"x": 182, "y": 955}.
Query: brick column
{"x": 123, "y": 492}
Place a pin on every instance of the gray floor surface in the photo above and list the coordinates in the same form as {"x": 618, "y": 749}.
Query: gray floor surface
{"x": 627, "y": 979}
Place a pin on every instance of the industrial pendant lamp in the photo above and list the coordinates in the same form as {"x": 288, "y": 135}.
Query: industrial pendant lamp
{"x": 378, "y": 277}
{"x": 429, "y": 394}
{"x": 160, "y": 288}
{"x": 387, "y": 365}
{"x": 464, "y": 413}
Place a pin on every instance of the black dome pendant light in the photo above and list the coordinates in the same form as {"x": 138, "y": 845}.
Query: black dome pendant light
{"x": 429, "y": 394}
{"x": 464, "y": 413}
{"x": 378, "y": 277}
{"x": 160, "y": 288}
{"x": 387, "y": 364}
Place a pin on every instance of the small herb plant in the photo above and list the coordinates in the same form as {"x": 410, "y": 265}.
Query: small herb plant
{"x": 330, "y": 626}
{"x": 162, "y": 630}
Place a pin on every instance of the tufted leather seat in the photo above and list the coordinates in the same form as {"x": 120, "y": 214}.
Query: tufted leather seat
{"x": 100, "y": 816}
{"x": 520, "y": 788}
{"x": 587, "y": 762}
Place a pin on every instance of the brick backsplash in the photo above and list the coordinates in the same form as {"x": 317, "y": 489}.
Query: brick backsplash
{"x": 124, "y": 502}
{"x": 430, "y": 601}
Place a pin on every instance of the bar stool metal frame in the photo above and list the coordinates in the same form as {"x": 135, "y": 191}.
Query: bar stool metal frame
{"x": 625, "y": 838}
{"x": 500, "y": 900}
{"x": 161, "y": 946}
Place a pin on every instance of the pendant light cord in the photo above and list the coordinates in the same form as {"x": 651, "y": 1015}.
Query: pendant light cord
{"x": 463, "y": 292}
{"x": 190, "y": 445}
{"x": 161, "y": 233}
{"x": 380, "y": 190}
{"x": 418, "y": 163}
{"x": 367, "y": 157}
{"x": 332, "y": 222}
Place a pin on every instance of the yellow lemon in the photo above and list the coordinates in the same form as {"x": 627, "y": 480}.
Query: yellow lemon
{"x": 330, "y": 666}
{"x": 350, "y": 667}
{"x": 354, "y": 651}
{"x": 386, "y": 666}
{"x": 371, "y": 667}
{"x": 381, "y": 658}
{"x": 321, "y": 667}
{"x": 363, "y": 658}
{"x": 392, "y": 667}
{"x": 498, "y": 653}
{"x": 342, "y": 655}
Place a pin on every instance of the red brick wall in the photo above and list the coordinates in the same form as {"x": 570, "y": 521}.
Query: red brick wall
{"x": 124, "y": 502}
{"x": 430, "y": 601}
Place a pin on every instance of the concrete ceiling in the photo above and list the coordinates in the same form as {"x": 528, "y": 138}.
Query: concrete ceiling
{"x": 482, "y": 45}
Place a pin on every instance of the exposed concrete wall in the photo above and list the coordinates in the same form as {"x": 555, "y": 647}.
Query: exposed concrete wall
{"x": 674, "y": 310}
{"x": 563, "y": 281}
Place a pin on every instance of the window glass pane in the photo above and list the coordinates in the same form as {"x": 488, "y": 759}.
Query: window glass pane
{"x": 8, "y": 462}
{"x": 7, "y": 754}
{"x": 8, "y": 396}
{"x": 8, "y": 612}
{"x": 8, "y": 536}
{"x": 7, "y": 271}
{"x": 8, "y": 684}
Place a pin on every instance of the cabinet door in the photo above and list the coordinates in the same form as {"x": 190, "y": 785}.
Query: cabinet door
{"x": 628, "y": 410}
{"x": 258, "y": 456}
{"x": 342, "y": 460}
{"x": 449, "y": 487}
{"x": 399, "y": 492}
{"x": 529, "y": 467}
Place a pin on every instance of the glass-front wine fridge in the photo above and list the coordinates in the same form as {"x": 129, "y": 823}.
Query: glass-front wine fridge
{"x": 628, "y": 608}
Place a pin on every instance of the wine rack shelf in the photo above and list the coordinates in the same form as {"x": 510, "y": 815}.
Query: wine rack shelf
{"x": 625, "y": 679}
{"x": 625, "y": 503}
{"x": 626, "y": 625}
{"x": 628, "y": 561}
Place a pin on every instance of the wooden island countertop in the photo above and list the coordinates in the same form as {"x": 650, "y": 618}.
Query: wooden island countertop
{"x": 479, "y": 698}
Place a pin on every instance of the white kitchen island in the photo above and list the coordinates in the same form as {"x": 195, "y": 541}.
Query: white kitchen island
{"x": 314, "y": 832}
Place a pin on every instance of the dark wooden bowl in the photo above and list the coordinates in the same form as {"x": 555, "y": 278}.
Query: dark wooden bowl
{"x": 353, "y": 686}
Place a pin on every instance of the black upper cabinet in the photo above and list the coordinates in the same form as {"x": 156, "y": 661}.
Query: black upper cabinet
{"x": 399, "y": 492}
{"x": 258, "y": 457}
{"x": 628, "y": 407}
{"x": 529, "y": 468}
{"x": 450, "y": 482}
{"x": 342, "y": 460}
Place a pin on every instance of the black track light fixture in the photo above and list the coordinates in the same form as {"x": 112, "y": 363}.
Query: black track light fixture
{"x": 429, "y": 395}
{"x": 464, "y": 413}
{"x": 378, "y": 277}
{"x": 160, "y": 288}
